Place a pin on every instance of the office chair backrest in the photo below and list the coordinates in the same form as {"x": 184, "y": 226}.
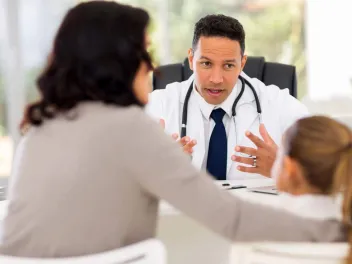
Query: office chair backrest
{"x": 281, "y": 75}
{"x": 148, "y": 252}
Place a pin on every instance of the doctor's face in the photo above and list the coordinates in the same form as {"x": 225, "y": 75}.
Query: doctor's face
{"x": 216, "y": 63}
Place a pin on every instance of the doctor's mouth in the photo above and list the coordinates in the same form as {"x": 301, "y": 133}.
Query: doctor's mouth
{"x": 214, "y": 92}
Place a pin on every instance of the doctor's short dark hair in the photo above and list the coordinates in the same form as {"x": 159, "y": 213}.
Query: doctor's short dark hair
{"x": 219, "y": 26}
{"x": 97, "y": 51}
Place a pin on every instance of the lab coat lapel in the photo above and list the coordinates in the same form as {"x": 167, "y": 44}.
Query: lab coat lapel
{"x": 247, "y": 114}
{"x": 195, "y": 130}
{"x": 246, "y": 118}
{"x": 195, "y": 125}
{"x": 231, "y": 143}
{"x": 176, "y": 106}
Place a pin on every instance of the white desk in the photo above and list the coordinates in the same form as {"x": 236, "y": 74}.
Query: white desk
{"x": 189, "y": 242}
{"x": 166, "y": 209}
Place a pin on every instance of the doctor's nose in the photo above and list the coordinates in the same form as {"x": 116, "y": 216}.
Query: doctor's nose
{"x": 216, "y": 77}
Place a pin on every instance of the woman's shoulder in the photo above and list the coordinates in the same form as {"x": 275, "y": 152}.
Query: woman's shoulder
{"x": 129, "y": 119}
{"x": 113, "y": 114}
{"x": 134, "y": 116}
{"x": 91, "y": 115}
{"x": 96, "y": 120}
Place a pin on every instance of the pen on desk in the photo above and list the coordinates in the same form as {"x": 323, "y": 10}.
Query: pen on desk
{"x": 236, "y": 187}
{"x": 264, "y": 192}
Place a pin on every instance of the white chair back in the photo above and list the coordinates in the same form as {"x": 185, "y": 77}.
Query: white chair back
{"x": 302, "y": 253}
{"x": 147, "y": 252}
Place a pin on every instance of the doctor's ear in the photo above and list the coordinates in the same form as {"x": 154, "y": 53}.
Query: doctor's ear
{"x": 190, "y": 58}
{"x": 243, "y": 61}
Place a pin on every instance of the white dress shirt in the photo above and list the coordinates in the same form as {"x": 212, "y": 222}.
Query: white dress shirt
{"x": 209, "y": 123}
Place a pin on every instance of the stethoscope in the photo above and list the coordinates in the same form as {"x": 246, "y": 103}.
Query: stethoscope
{"x": 243, "y": 82}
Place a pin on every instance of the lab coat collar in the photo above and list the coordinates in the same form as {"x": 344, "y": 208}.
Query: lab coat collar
{"x": 313, "y": 206}
{"x": 206, "y": 108}
{"x": 247, "y": 97}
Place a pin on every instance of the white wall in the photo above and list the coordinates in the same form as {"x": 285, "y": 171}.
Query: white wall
{"x": 329, "y": 52}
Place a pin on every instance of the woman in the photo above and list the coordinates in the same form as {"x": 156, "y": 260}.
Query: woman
{"x": 90, "y": 170}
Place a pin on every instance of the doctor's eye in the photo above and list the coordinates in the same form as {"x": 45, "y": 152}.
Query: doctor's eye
{"x": 229, "y": 66}
{"x": 206, "y": 64}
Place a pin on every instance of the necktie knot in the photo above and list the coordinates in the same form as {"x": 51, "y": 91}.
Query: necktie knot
{"x": 217, "y": 115}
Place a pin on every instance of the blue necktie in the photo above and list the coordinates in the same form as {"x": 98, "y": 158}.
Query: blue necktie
{"x": 217, "y": 151}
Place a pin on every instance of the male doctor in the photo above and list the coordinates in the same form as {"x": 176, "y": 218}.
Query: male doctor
{"x": 228, "y": 147}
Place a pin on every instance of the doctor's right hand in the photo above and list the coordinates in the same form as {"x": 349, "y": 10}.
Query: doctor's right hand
{"x": 186, "y": 143}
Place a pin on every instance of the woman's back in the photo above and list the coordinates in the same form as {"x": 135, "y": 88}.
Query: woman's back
{"x": 92, "y": 184}
{"x": 72, "y": 170}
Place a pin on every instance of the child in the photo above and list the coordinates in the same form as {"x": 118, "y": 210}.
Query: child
{"x": 314, "y": 164}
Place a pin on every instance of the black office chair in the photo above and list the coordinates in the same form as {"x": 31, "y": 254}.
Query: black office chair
{"x": 282, "y": 75}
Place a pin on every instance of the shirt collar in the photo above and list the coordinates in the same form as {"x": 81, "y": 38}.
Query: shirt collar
{"x": 206, "y": 108}
{"x": 313, "y": 206}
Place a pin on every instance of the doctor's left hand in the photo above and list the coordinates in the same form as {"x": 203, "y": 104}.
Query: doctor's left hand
{"x": 263, "y": 157}
{"x": 186, "y": 143}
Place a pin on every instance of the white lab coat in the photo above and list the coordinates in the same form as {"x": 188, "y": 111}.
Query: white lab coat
{"x": 279, "y": 111}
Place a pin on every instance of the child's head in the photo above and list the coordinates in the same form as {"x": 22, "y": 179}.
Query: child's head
{"x": 315, "y": 157}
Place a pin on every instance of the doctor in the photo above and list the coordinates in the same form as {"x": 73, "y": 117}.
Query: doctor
{"x": 229, "y": 123}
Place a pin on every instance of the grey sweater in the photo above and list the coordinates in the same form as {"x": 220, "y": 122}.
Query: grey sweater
{"x": 92, "y": 183}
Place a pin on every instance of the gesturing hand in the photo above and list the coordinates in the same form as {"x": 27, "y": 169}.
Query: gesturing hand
{"x": 186, "y": 143}
{"x": 262, "y": 158}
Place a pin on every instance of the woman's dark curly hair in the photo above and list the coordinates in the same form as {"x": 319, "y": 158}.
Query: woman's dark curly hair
{"x": 97, "y": 52}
